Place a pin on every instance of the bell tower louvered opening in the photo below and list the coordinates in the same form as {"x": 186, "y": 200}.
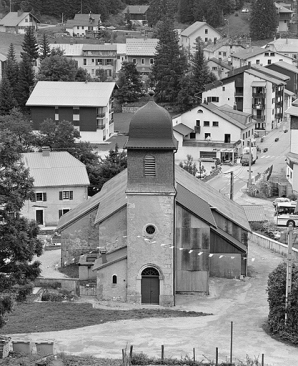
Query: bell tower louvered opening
{"x": 149, "y": 166}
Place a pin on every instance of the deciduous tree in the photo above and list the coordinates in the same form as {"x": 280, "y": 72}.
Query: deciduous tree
{"x": 263, "y": 20}
{"x": 129, "y": 83}
{"x": 189, "y": 165}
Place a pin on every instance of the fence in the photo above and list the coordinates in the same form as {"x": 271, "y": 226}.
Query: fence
{"x": 273, "y": 245}
{"x": 69, "y": 284}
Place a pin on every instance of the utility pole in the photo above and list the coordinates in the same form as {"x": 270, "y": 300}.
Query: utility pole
{"x": 289, "y": 269}
{"x": 232, "y": 186}
{"x": 81, "y": 6}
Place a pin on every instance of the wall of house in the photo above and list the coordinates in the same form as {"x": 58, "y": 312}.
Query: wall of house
{"x": 266, "y": 58}
{"x": 292, "y": 84}
{"x": 86, "y": 273}
{"x": 79, "y": 238}
{"x": 225, "y": 93}
{"x": 225, "y": 266}
{"x": 106, "y": 289}
{"x": 39, "y": 114}
{"x": 294, "y": 134}
{"x": 192, "y": 237}
{"x": 218, "y": 70}
{"x": 25, "y": 23}
{"x": 52, "y": 205}
{"x": 211, "y": 35}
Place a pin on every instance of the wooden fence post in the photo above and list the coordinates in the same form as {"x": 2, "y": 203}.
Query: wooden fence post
{"x": 162, "y": 353}
{"x": 194, "y": 354}
{"x": 216, "y": 356}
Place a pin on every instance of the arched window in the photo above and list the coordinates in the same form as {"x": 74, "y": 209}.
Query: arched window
{"x": 199, "y": 111}
{"x": 114, "y": 280}
{"x": 149, "y": 166}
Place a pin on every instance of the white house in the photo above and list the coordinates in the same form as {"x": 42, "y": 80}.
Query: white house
{"x": 198, "y": 29}
{"x": 208, "y": 131}
{"x": 18, "y": 22}
{"x": 222, "y": 49}
{"x": 60, "y": 184}
{"x": 285, "y": 46}
{"x": 284, "y": 17}
{"x": 219, "y": 68}
{"x": 83, "y": 24}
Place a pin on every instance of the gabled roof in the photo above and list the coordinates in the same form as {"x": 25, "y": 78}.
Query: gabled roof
{"x": 220, "y": 43}
{"x": 99, "y": 47}
{"x": 182, "y": 129}
{"x": 254, "y": 212}
{"x": 221, "y": 63}
{"x": 3, "y": 57}
{"x": 195, "y": 27}
{"x": 216, "y": 200}
{"x": 282, "y": 9}
{"x": 293, "y": 110}
{"x": 266, "y": 77}
{"x": 284, "y": 65}
{"x": 285, "y": 45}
{"x": 136, "y": 9}
{"x": 83, "y": 20}
{"x": 69, "y": 49}
{"x": 249, "y": 52}
{"x": 270, "y": 72}
{"x": 71, "y": 93}
{"x": 13, "y": 18}
{"x": 57, "y": 169}
{"x": 230, "y": 239}
{"x": 141, "y": 46}
{"x": 242, "y": 117}
{"x": 112, "y": 257}
{"x": 114, "y": 187}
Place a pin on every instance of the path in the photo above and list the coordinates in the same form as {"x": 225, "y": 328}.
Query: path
{"x": 50, "y": 261}
{"x": 243, "y": 302}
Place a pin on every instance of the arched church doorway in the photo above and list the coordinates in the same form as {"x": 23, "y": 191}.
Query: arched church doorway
{"x": 150, "y": 286}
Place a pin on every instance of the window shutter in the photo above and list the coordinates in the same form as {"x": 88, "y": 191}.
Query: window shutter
{"x": 149, "y": 166}
{"x": 60, "y": 195}
{"x": 60, "y": 213}
{"x": 71, "y": 195}
{"x": 33, "y": 197}
{"x": 44, "y": 196}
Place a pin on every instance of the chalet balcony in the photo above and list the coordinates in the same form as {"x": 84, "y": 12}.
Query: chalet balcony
{"x": 100, "y": 115}
{"x": 213, "y": 144}
{"x": 258, "y": 106}
{"x": 278, "y": 115}
{"x": 100, "y": 126}
{"x": 238, "y": 94}
{"x": 259, "y": 118}
{"x": 259, "y": 95}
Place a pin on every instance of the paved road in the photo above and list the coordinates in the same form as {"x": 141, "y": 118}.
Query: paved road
{"x": 243, "y": 302}
{"x": 50, "y": 261}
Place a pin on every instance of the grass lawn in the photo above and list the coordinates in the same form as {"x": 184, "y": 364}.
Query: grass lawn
{"x": 33, "y": 317}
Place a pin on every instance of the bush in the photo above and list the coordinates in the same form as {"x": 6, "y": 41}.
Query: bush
{"x": 53, "y": 285}
{"x": 276, "y": 298}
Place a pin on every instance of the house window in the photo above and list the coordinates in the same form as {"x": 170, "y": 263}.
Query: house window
{"x": 143, "y": 61}
{"x": 215, "y": 123}
{"x": 206, "y": 40}
{"x": 151, "y": 61}
{"x": 208, "y": 136}
{"x": 109, "y": 61}
{"x": 114, "y": 279}
{"x": 273, "y": 100}
{"x": 92, "y": 71}
{"x": 98, "y": 61}
{"x": 84, "y": 61}
{"x": 219, "y": 53}
{"x": 78, "y": 27}
{"x": 56, "y": 114}
{"x": 65, "y": 195}
{"x": 134, "y": 60}
{"x": 192, "y": 135}
{"x": 206, "y": 31}
{"x": 223, "y": 88}
{"x": 266, "y": 53}
{"x": 40, "y": 196}
{"x": 224, "y": 54}
{"x": 257, "y": 62}
{"x": 76, "y": 114}
{"x": 243, "y": 137}
{"x": 92, "y": 60}
{"x": 227, "y": 138}
{"x": 214, "y": 68}
{"x": 26, "y": 20}
{"x": 63, "y": 212}
{"x": 212, "y": 99}
{"x": 272, "y": 54}
{"x": 199, "y": 111}
{"x": 206, "y": 123}
{"x": 149, "y": 166}
{"x": 198, "y": 122}
{"x": 269, "y": 62}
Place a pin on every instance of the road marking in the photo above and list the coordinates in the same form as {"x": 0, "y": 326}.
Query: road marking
{"x": 267, "y": 156}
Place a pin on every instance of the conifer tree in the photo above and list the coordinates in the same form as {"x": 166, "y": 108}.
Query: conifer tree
{"x": 263, "y": 20}
{"x": 44, "y": 47}
{"x": 129, "y": 83}
{"x": 30, "y": 45}
{"x": 12, "y": 69}
{"x": 7, "y": 99}
{"x": 26, "y": 80}
{"x": 169, "y": 65}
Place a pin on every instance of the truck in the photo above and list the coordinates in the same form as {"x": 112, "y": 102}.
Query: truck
{"x": 249, "y": 151}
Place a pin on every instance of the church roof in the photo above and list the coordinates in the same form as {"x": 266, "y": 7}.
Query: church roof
{"x": 150, "y": 128}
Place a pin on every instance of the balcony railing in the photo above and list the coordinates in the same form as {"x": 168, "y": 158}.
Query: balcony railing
{"x": 259, "y": 118}
{"x": 238, "y": 94}
{"x": 100, "y": 127}
{"x": 111, "y": 121}
{"x": 101, "y": 115}
{"x": 278, "y": 115}
{"x": 213, "y": 144}
{"x": 258, "y": 106}
{"x": 259, "y": 95}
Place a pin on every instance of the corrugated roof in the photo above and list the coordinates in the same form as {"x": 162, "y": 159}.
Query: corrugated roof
{"x": 261, "y": 75}
{"x": 242, "y": 117}
{"x": 293, "y": 110}
{"x": 254, "y": 212}
{"x": 141, "y": 46}
{"x": 293, "y": 157}
{"x": 83, "y": 20}
{"x": 282, "y": 9}
{"x": 13, "y": 18}
{"x": 3, "y": 57}
{"x": 249, "y": 52}
{"x": 136, "y": 9}
{"x": 221, "y": 63}
{"x": 285, "y": 45}
{"x": 68, "y": 93}
{"x": 284, "y": 65}
{"x": 57, "y": 169}
{"x": 195, "y": 204}
{"x": 271, "y": 72}
{"x": 121, "y": 48}
{"x": 230, "y": 239}
{"x": 192, "y": 28}
{"x": 69, "y": 49}
{"x": 215, "y": 199}
{"x": 182, "y": 129}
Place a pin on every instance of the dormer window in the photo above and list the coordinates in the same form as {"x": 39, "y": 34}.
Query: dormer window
{"x": 149, "y": 166}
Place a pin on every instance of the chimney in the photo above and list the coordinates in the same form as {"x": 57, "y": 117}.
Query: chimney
{"x": 20, "y": 12}
{"x": 45, "y": 151}
{"x": 103, "y": 253}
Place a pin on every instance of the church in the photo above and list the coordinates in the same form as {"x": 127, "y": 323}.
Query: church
{"x": 159, "y": 230}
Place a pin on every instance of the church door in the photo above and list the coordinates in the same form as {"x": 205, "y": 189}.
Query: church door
{"x": 150, "y": 286}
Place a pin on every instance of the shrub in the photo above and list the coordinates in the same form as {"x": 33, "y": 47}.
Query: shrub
{"x": 53, "y": 285}
{"x": 276, "y": 298}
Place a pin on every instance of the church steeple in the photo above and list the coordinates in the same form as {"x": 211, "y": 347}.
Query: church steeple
{"x": 150, "y": 150}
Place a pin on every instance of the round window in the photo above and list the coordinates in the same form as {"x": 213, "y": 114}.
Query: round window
{"x": 150, "y": 229}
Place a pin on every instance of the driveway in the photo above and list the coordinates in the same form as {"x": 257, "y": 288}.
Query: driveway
{"x": 242, "y": 302}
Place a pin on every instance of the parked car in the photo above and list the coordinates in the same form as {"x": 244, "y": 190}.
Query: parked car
{"x": 266, "y": 149}
{"x": 285, "y": 131}
{"x": 262, "y": 139}
{"x": 245, "y": 10}
{"x": 276, "y": 139}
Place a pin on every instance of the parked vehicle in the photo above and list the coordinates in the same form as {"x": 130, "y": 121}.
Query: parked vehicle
{"x": 276, "y": 139}
{"x": 285, "y": 131}
{"x": 266, "y": 149}
{"x": 279, "y": 200}
{"x": 249, "y": 153}
{"x": 286, "y": 214}
{"x": 262, "y": 139}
